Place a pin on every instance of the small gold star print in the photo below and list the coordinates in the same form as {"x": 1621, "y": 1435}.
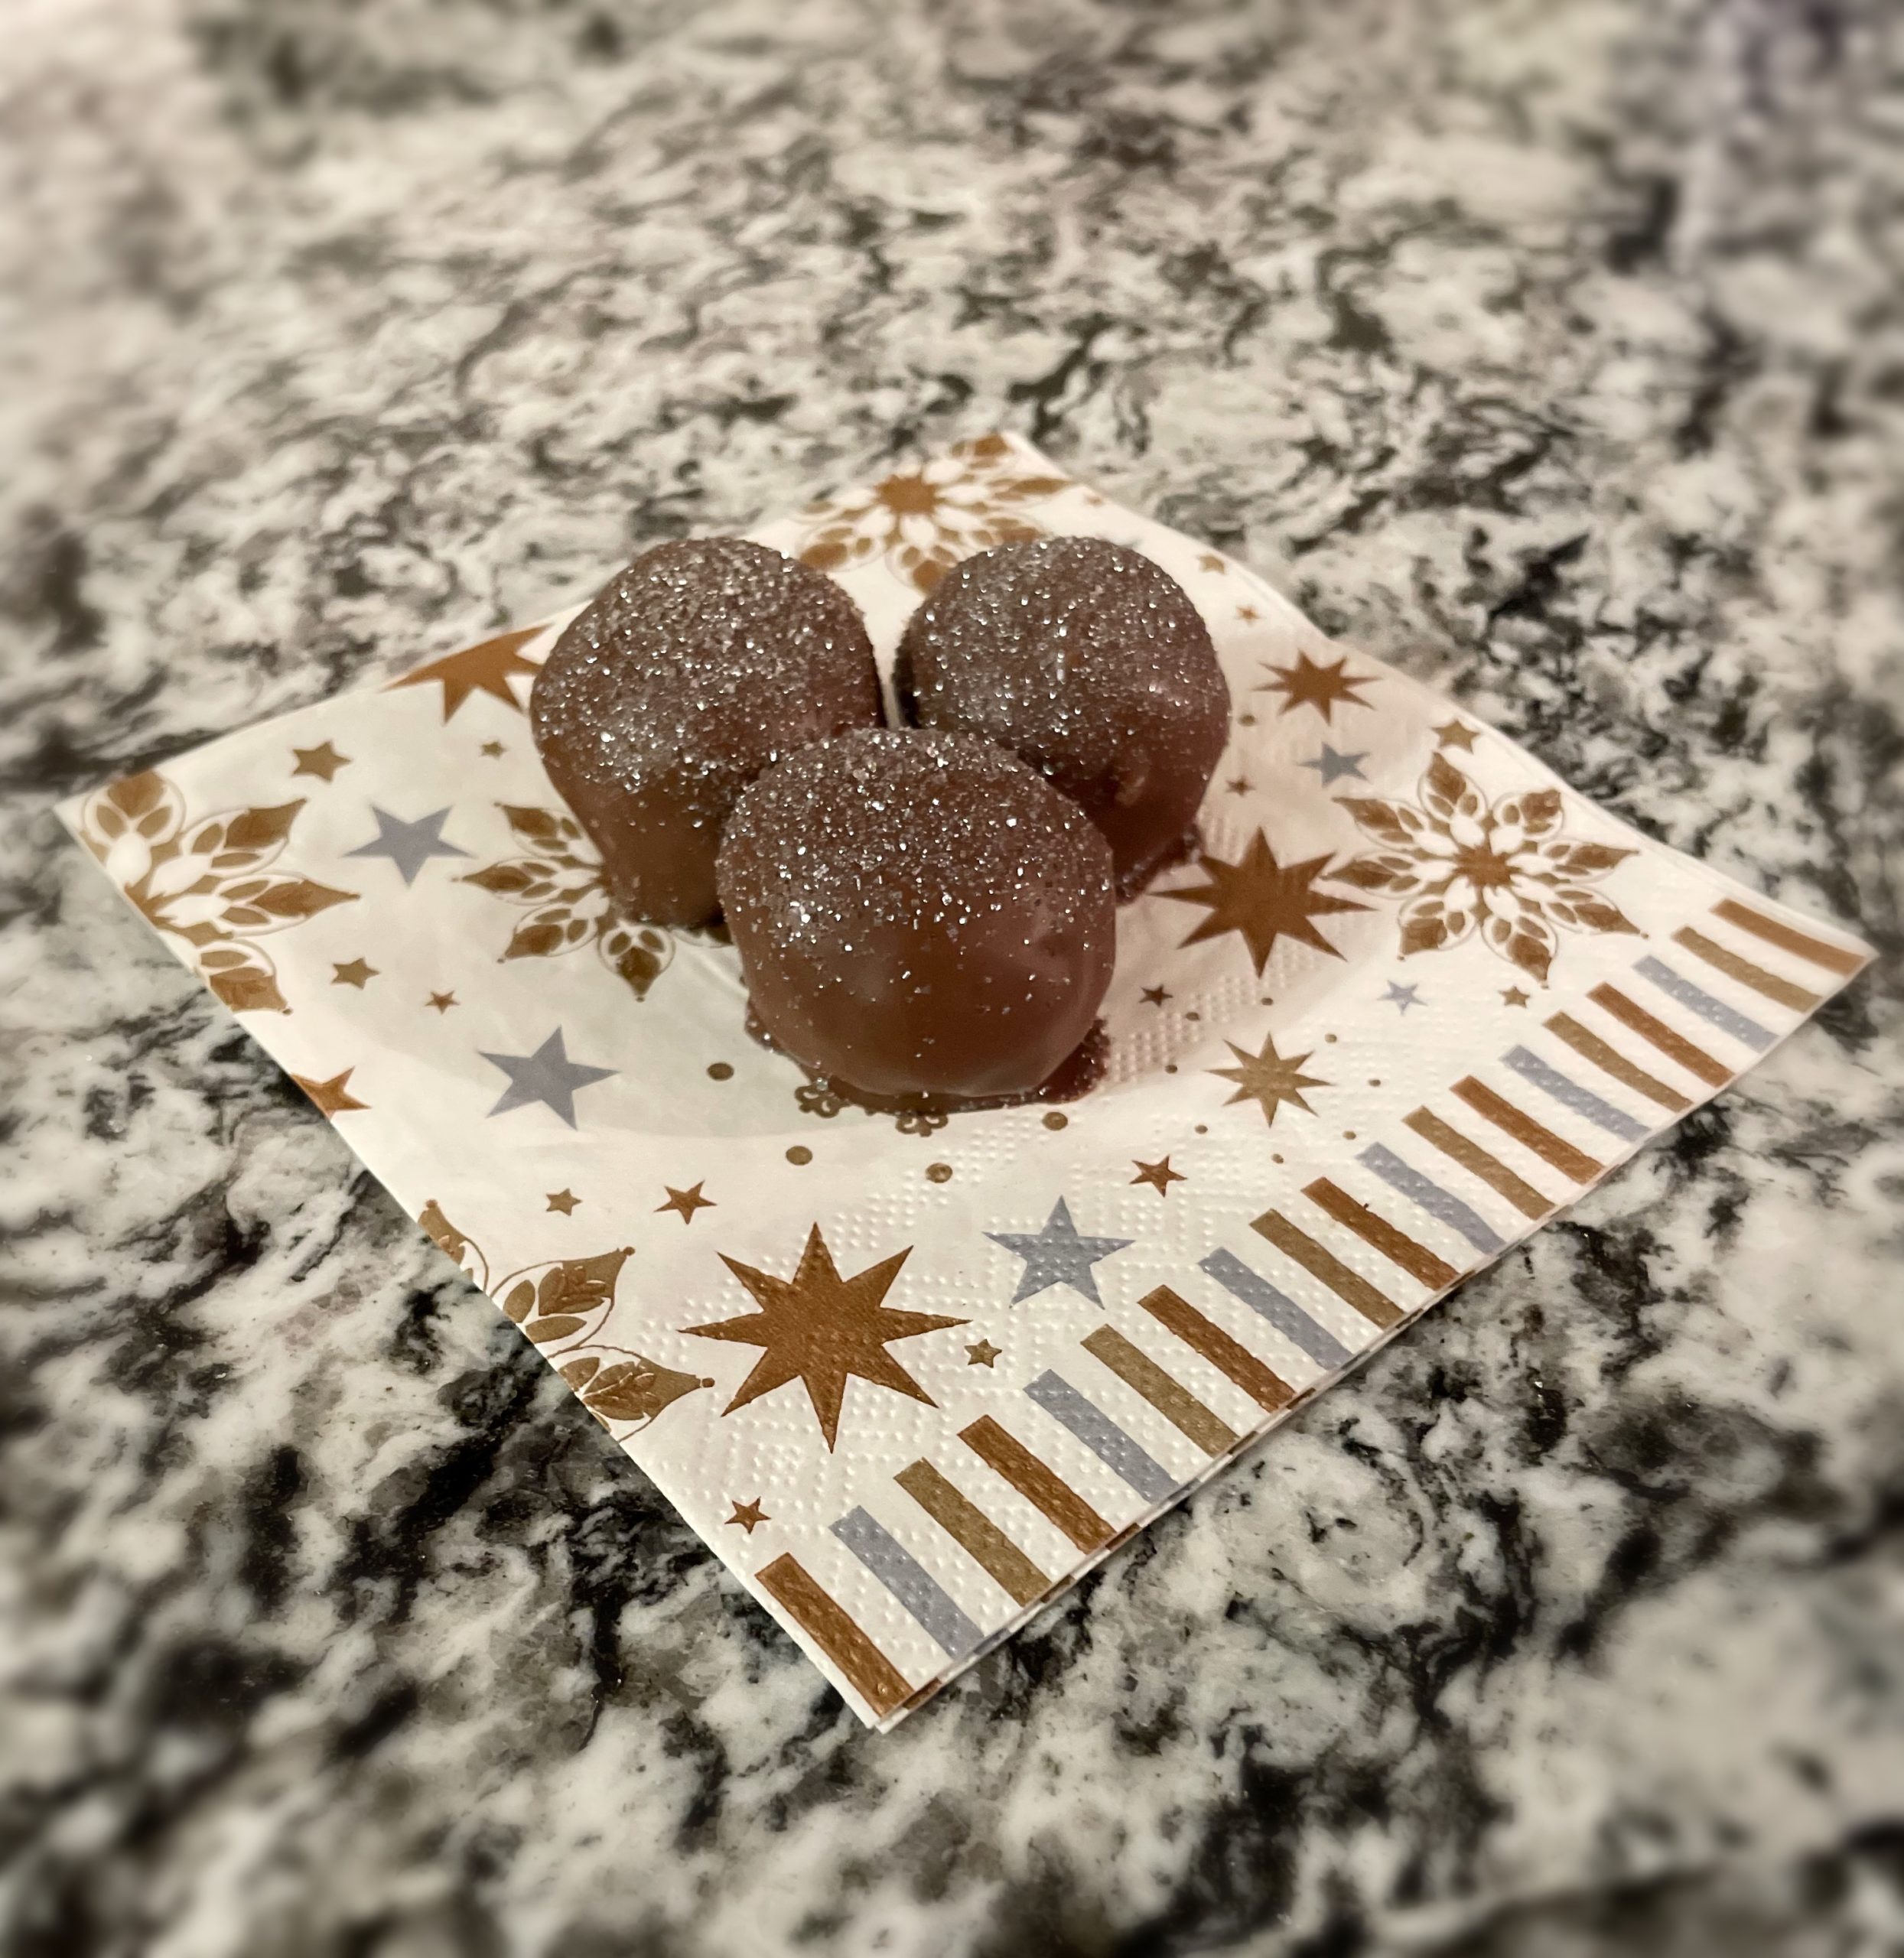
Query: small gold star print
{"x": 1155, "y": 996}
{"x": 332, "y": 1096}
{"x": 323, "y": 761}
{"x": 1269, "y": 1078}
{"x": 1159, "y": 1175}
{"x": 492, "y": 748}
{"x": 1237, "y": 785}
{"x": 1310, "y": 684}
{"x": 983, "y": 1353}
{"x": 1208, "y": 560}
{"x": 750, "y": 1515}
{"x": 1456, "y": 734}
{"x": 685, "y": 1203}
{"x": 1247, "y": 612}
{"x": 1514, "y": 995}
{"x": 352, "y": 972}
{"x": 564, "y": 1201}
{"x": 441, "y": 1001}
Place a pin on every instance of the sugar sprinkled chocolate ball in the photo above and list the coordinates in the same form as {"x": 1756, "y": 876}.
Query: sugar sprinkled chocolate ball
{"x": 704, "y": 663}
{"x": 1091, "y": 664}
{"x": 919, "y": 914}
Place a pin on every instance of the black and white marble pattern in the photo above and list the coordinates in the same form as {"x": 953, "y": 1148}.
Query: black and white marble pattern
{"x": 1552, "y": 348}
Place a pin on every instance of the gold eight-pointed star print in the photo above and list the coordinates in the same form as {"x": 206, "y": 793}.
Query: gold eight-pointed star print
{"x": 1310, "y": 684}
{"x": 1262, "y": 900}
{"x": 823, "y": 1330}
{"x": 485, "y": 669}
{"x": 1269, "y": 1078}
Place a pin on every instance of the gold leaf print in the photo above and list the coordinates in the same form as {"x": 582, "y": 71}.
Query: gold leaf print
{"x": 569, "y": 1300}
{"x": 636, "y": 1389}
{"x": 922, "y": 520}
{"x": 441, "y": 1232}
{"x": 213, "y": 883}
{"x": 1465, "y": 867}
{"x": 559, "y": 881}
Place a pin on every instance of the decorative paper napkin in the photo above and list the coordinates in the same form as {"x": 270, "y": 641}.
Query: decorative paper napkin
{"x": 910, "y": 1380}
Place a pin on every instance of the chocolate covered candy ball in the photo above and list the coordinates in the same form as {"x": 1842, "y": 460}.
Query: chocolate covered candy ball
{"x": 1089, "y": 662}
{"x": 701, "y": 664}
{"x": 919, "y": 914}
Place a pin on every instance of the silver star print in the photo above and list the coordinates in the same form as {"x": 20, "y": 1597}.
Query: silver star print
{"x": 1332, "y": 767}
{"x": 1057, "y": 1256}
{"x": 409, "y": 846}
{"x": 548, "y": 1076}
{"x": 1402, "y": 997}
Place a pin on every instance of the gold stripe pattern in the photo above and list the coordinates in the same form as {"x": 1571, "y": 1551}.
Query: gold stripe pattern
{"x": 1570, "y": 1161}
{"x": 1373, "y": 1229}
{"x": 974, "y": 1532}
{"x": 1234, "y": 1362}
{"x": 1767, "y": 984}
{"x": 872, "y": 1675}
{"x": 1833, "y": 958}
{"x": 1322, "y": 1264}
{"x": 1009, "y": 1457}
{"x": 1674, "y": 1046}
{"x": 1609, "y": 1060}
{"x": 1477, "y": 1162}
{"x": 1172, "y": 1400}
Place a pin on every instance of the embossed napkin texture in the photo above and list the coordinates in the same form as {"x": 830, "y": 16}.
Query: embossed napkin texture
{"x": 1411, "y": 999}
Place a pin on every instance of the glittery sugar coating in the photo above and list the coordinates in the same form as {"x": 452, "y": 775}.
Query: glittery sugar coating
{"x": 919, "y": 914}
{"x": 1092, "y": 664}
{"x": 704, "y": 663}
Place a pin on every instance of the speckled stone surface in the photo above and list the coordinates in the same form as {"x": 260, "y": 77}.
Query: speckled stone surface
{"x": 1554, "y": 350}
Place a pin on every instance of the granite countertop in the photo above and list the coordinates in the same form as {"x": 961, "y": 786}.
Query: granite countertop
{"x": 1552, "y": 351}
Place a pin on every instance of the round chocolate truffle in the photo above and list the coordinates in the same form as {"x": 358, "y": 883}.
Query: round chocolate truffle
{"x": 919, "y": 914}
{"x": 1090, "y": 663}
{"x": 702, "y": 663}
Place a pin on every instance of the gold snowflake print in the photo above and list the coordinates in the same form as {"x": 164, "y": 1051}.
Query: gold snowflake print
{"x": 559, "y": 882}
{"x": 1464, "y": 866}
{"x": 923, "y": 521}
{"x": 213, "y": 882}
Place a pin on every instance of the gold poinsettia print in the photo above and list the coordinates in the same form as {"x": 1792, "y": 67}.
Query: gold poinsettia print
{"x": 922, "y": 520}
{"x": 562, "y": 1306}
{"x": 214, "y": 883}
{"x": 558, "y": 881}
{"x": 1465, "y": 866}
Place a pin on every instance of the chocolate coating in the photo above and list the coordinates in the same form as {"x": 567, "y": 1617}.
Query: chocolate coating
{"x": 702, "y": 663}
{"x": 919, "y": 914}
{"x": 1089, "y": 662}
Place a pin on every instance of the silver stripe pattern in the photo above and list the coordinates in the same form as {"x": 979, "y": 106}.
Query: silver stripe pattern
{"x": 1570, "y": 1095}
{"x": 901, "y": 1574}
{"x": 1244, "y": 1282}
{"x": 1427, "y": 1194}
{"x": 1118, "y": 1451}
{"x": 1689, "y": 997}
